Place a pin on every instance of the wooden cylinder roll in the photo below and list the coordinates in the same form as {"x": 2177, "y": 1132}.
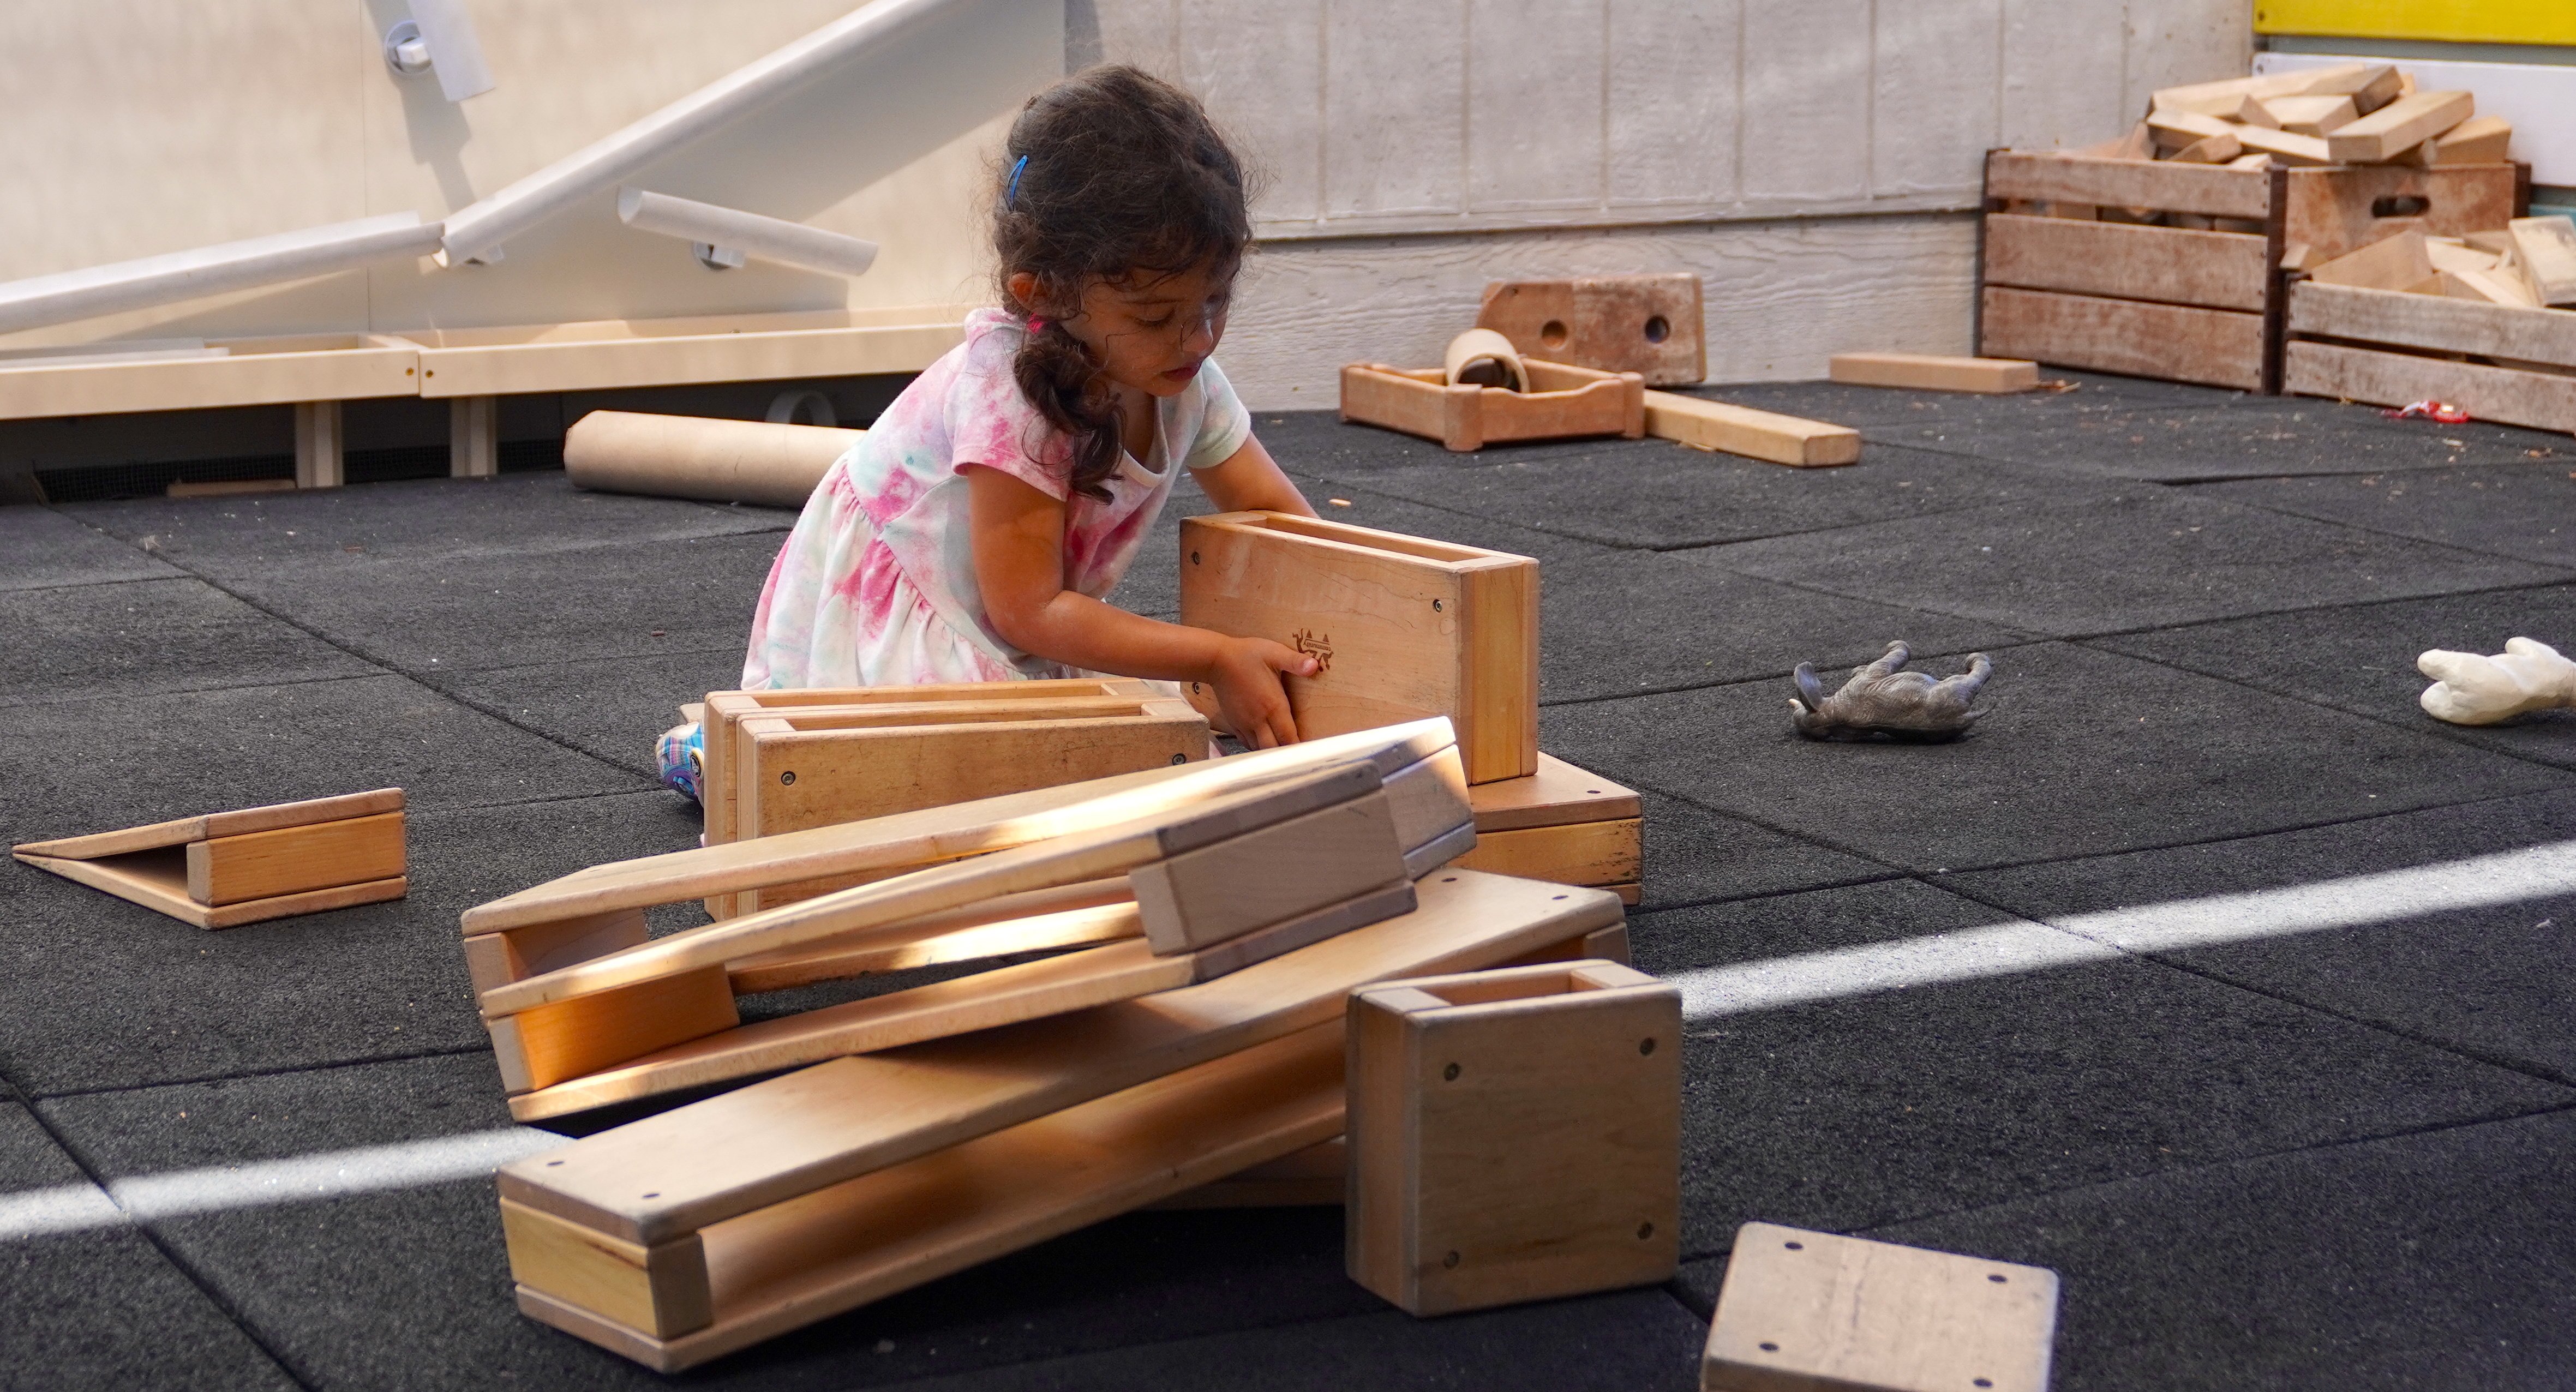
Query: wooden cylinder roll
{"x": 1484, "y": 358}
{"x": 726, "y": 461}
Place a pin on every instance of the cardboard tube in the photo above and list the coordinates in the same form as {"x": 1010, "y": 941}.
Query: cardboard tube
{"x": 724, "y": 461}
{"x": 1483, "y": 346}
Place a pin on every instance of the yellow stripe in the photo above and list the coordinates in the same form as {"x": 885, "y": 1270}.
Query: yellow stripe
{"x": 2444, "y": 21}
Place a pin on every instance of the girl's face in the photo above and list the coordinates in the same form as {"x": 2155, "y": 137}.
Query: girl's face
{"x": 1150, "y": 330}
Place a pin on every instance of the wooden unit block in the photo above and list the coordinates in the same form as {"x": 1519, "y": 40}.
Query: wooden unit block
{"x": 474, "y": 437}
{"x": 835, "y": 1247}
{"x": 2478, "y": 140}
{"x": 2219, "y": 270}
{"x": 1646, "y": 324}
{"x": 2402, "y": 124}
{"x": 659, "y": 1290}
{"x": 2285, "y": 146}
{"x": 294, "y": 860}
{"x": 2392, "y": 264}
{"x": 1801, "y": 1310}
{"x": 2547, "y": 249}
{"x": 1609, "y": 854}
{"x": 1268, "y": 876}
{"x": 546, "y": 1044}
{"x": 1405, "y": 628}
{"x": 2311, "y": 115}
{"x": 2175, "y": 128}
{"x": 318, "y": 445}
{"x": 743, "y": 1150}
{"x": 2221, "y": 348}
{"x": 226, "y": 869}
{"x": 2448, "y": 254}
{"x": 1765, "y": 435}
{"x": 1515, "y": 1135}
{"x": 1563, "y": 402}
{"x": 1932, "y": 372}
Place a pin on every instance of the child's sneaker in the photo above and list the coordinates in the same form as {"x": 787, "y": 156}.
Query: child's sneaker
{"x": 682, "y": 755}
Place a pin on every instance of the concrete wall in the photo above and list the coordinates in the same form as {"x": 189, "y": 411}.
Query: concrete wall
{"x": 1813, "y": 160}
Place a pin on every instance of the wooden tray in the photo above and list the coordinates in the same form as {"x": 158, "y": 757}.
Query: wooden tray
{"x": 1567, "y": 401}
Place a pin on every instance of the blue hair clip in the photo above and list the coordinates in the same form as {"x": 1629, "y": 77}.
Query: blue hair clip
{"x": 1011, "y": 194}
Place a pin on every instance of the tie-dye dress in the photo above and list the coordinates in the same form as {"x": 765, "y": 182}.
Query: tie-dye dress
{"x": 876, "y": 584}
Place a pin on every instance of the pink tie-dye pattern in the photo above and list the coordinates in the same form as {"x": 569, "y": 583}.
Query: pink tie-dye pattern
{"x": 875, "y": 585}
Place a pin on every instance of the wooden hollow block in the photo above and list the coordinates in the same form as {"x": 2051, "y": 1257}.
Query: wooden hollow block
{"x": 1765, "y": 435}
{"x": 1563, "y": 402}
{"x": 1515, "y": 1135}
{"x": 496, "y": 959}
{"x": 1268, "y": 876}
{"x": 660, "y": 1290}
{"x": 1404, "y": 627}
{"x": 1646, "y": 324}
{"x": 226, "y": 869}
{"x": 547, "y": 1044}
{"x": 1932, "y": 372}
{"x": 1802, "y": 1310}
{"x": 292, "y": 860}
{"x": 2399, "y": 126}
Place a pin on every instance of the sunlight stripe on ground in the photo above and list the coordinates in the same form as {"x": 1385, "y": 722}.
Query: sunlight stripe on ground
{"x": 1710, "y": 993}
{"x": 296, "y": 1179}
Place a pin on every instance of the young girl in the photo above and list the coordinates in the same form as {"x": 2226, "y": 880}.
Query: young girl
{"x": 976, "y": 532}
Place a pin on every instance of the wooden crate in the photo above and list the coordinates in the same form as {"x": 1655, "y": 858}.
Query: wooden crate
{"x": 1562, "y": 402}
{"x": 781, "y": 761}
{"x": 1560, "y": 824}
{"x": 1514, "y": 1135}
{"x": 2497, "y": 362}
{"x": 2183, "y": 304}
{"x": 1405, "y": 627}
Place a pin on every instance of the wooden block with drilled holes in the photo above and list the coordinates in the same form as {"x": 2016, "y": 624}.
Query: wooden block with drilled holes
{"x": 1404, "y": 627}
{"x": 1766, "y": 435}
{"x": 1802, "y": 1310}
{"x": 1646, "y": 324}
{"x": 1933, "y": 372}
{"x": 1515, "y": 1135}
{"x": 226, "y": 869}
{"x": 1562, "y": 403}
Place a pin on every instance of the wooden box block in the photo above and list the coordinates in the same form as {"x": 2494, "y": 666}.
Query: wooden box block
{"x": 1405, "y": 628}
{"x": 1563, "y": 824}
{"x": 1562, "y": 402}
{"x": 1514, "y": 1135}
{"x": 1646, "y": 324}
{"x": 226, "y": 869}
{"x": 1805, "y": 1310}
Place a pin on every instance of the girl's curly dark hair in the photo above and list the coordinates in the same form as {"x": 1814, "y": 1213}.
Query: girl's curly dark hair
{"x": 1109, "y": 174}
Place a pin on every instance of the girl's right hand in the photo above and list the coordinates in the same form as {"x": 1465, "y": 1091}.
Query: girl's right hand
{"x": 1248, "y": 690}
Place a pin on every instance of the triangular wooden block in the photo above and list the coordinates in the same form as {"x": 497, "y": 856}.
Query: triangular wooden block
{"x": 225, "y": 869}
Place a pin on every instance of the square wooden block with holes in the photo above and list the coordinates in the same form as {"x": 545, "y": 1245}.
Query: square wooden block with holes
{"x": 1646, "y": 324}
{"x": 1514, "y": 1135}
{"x": 1802, "y": 1311}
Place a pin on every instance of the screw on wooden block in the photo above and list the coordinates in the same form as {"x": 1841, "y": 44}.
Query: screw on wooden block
{"x": 1180, "y": 758}
{"x": 1450, "y": 1260}
{"x": 1646, "y": 1045}
{"x": 1644, "y": 1231}
{"x": 1435, "y": 606}
{"x": 1450, "y": 1073}
{"x": 788, "y": 777}
{"x": 1194, "y": 558}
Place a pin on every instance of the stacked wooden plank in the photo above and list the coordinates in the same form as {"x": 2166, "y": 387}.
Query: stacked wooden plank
{"x": 1158, "y": 879}
{"x": 2160, "y": 255}
{"x": 779, "y": 761}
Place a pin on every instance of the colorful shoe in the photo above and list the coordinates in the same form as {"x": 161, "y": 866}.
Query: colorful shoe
{"x": 682, "y": 754}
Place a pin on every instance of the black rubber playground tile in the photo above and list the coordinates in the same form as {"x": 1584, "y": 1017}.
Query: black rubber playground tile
{"x": 2148, "y": 558}
{"x": 611, "y": 707}
{"x": 150, "y": 636}
{"x": 336, "y": 529}
{"x": 2525, "y": 509}
{"x": 44, "y": 549}
{"x": 2083, "y": 753}
{"x": 1881, "y": 1102}
{"x": 2361, "y": 658}
{"x": 2420, "y": 1263}
{"x": 2257, "y": 438}
{"x": 1624, "y": 622}
{"x": 99, "y": 993}
{"x": 2483, "y": 978}
{"x": 1694, "y": 855}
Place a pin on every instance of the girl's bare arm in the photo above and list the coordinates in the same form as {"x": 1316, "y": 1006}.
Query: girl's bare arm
{"x": 1250, "y": 479}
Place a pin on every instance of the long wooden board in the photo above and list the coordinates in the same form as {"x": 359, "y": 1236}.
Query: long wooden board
{"x": 771, "y": 1141}
{"x": 2220, "y": 270}
{"x": 2544, "y": 400}
{"x": 2219, "y": 347}
{"x": 1765, "y": 435}
{"x": 839, "y": 1247}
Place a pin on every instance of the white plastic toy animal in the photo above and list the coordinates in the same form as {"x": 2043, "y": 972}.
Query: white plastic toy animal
{"x": 2471, "y": 690}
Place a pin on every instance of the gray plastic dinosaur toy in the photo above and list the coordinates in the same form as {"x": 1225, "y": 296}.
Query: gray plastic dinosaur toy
{"x": 1884, "y": 699}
